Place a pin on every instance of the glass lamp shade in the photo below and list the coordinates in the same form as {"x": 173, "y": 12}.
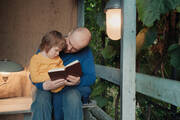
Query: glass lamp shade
{"x": 113, "y": 23}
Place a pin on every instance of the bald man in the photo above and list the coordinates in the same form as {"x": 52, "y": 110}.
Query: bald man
{"x": 77, "y": 39}
{"x": 67, "y": 103}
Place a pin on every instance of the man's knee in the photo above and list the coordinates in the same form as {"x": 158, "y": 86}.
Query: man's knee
{"x": 43, "y": 96}
{"x": 72, "y": 97}
{"x": 84, "y": 91}
{"x": 72, "y": 105}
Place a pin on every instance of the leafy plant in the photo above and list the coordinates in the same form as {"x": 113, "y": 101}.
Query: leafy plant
{"x": 174, "y": 51}
{"x": 158, "y": 51}
{"x": 151, "y": 10}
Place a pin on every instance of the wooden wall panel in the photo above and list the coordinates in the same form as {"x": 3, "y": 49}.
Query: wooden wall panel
{"x": 24, "y": 22}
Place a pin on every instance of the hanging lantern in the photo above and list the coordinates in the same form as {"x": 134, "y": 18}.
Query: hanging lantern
{"x": 113, "y": 19}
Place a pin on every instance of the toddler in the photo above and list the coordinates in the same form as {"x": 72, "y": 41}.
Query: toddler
{"x": 48, "y": 57}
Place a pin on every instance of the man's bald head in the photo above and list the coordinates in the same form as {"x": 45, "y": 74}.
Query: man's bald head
{"x": 83, "y": 35}
{"x": 78, "y": 39}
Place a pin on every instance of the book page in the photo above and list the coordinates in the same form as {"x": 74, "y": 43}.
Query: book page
{"x": 56, "y": 69}
{"x": 74, "y": 62}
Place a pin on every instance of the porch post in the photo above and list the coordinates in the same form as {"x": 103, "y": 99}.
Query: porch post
{"x": 80, "y": 13}
{"x": 128, "y": 55}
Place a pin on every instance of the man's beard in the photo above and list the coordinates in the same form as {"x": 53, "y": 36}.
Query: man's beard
{"x": 66, "y": 51}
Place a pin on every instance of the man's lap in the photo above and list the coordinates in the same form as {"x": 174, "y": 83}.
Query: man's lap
{"x": 67, "y": 104}
{"x": 67, "y": 99}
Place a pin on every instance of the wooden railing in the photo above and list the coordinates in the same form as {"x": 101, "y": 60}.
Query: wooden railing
{"x": 166, "y": 90}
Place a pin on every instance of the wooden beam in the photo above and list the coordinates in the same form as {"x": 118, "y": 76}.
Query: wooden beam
{"x": 162, "y": 89}
{"x": 108, "y": 73}
{"x": 99, "y": 114}
{"x": 128, "y": 60}
{"x": 88, "y": 115}
{"x": 166, "y": 90}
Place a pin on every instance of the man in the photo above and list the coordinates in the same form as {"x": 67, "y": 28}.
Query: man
{"x": 67, "y": 103}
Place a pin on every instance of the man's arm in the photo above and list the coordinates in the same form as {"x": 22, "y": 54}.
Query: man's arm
{"x": 39, "y": 85}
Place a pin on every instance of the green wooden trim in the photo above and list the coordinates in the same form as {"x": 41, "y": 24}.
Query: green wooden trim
{"x": 108, "y": 73}
{"x": 166, "y": 90}
{"x": 88, "y": 115}
{"x": 80, "y": 13}
{"x": 15, "y": 112}
{"x": 99, "y": 114}
{"x": 128, "y": 61}
{"x": 162, "y": 89}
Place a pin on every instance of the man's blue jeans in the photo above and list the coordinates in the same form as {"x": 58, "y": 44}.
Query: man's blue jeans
{"x": 67, "y": 104}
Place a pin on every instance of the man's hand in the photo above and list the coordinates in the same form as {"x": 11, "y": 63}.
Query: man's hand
{"x": 50, "y": 85}
{"x": 72, "y": 80}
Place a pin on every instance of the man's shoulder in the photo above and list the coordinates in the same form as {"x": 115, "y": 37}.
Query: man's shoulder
{"x": 85, "y": 50}
{"x": 85, "y": 54}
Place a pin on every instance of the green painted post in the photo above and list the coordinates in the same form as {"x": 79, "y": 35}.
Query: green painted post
{"x": 128, "y": 54}
{"x": 80, "y": 13}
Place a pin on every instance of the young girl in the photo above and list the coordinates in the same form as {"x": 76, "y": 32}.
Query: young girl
{"x": 48, "y": 57}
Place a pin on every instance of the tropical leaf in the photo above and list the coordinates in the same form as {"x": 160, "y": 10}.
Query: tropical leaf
{"x": 98, "y": 89}
{"x": 151, "y": 36}
{"x": 101, "y": 101}
{"x": 89, "y": 9}
{"x": 173, "y": 47}
{"x": 108, "y": 52}
{"x": 178, "y": 9}
{"x": 150, "y": 10}
{"x": 145, "y": 38}
{"x": 174, "y": 51}
{"x": 140, "y": 39}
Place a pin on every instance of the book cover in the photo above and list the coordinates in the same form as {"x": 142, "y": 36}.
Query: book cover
{"x": 73, "y": 68}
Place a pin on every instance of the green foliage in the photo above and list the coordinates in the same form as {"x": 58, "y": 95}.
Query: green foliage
{"x": 98, "y": 94}
{"x": 99, "y": 88}
{"x": 174, "y": 51}
{"x": 101, "y": 101}
{"x": 100, "y": 19}
{"x": 178, "y": 8}
{"x": 150, "y": 10}
{"x": 151, "y": 36}
{"x": 104, "y": 50}
{"x": 153, "y": 58}
{"x": 108, "y": 52}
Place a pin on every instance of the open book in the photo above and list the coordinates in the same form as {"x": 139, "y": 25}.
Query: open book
{"x": 73, "y": 68}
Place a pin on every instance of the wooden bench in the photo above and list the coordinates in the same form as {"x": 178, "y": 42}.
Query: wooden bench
{"x": 17, "y": 105}
{"x": 21, "y": 105}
